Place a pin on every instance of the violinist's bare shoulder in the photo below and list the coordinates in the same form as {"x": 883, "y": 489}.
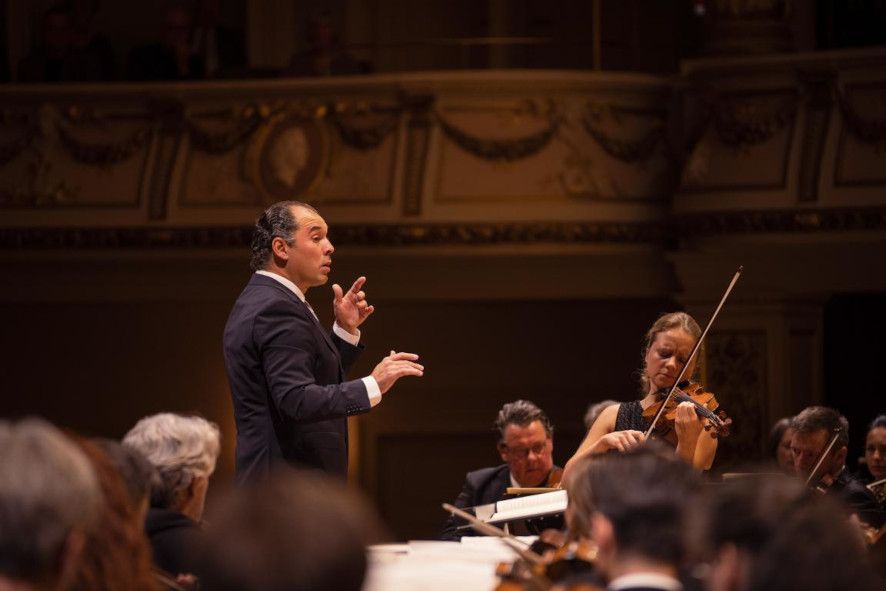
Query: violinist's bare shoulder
{"x": 606, "y": 421}
{"x": 604, "y": 425}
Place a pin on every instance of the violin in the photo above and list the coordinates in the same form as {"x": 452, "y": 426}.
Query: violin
{"x": 878, "y": 487}
{"x": 569, "y": 566}
{"x": 540, "y": 572}
{"x": 706, "y": 406}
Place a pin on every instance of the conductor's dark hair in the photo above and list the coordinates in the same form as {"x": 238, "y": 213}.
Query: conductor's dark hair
{"x": 277, "y": 221}
{"x": 521, "y": 413}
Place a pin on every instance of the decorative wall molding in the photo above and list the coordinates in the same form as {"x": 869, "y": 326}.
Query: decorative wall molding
{"x": 872, "y": 219}
{"x": 453, "y": 234}
{"x": 345, "y": 235}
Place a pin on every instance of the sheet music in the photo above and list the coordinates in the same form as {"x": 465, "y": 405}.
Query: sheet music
{"x": 529, "y": 506}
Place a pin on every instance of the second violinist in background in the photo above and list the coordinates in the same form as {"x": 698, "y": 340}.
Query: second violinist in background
{"x": 621, "y": 426}
{"x": 813, "y": 427}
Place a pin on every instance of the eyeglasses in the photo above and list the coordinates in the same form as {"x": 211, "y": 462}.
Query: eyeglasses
{"x": 521, "y": 453}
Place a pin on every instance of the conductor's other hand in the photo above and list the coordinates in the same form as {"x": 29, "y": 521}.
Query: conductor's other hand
{"x": 395, "y": 366}
{"x": 351, "y": 308}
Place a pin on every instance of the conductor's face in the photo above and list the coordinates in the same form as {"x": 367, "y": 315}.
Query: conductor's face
{"x": 529, "y": 452}
{"x": 308, "y": 256}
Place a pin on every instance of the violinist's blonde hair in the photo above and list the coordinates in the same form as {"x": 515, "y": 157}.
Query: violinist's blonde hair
{"x": 664, "y": 323}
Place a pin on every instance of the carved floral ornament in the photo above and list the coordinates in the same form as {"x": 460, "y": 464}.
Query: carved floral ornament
{"x": 597, "y": 120}
{"x": 742, "y": 122}
{"x": 866, "y": 130}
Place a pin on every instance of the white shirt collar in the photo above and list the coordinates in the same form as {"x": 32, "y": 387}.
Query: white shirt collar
{"x": 654, "y": 580}
{"x": 283, "y": 280}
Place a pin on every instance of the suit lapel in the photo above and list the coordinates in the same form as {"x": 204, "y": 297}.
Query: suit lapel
{"x": 317, "y": 325}
{"x": 262, "y": 280}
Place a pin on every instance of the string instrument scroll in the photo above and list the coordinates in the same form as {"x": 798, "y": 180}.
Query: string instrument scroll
{"x": 717, "y": 426}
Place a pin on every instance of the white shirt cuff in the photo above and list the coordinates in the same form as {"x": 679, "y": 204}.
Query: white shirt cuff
{"x": 344, "y": 335}
{"x": 372, "y": 390}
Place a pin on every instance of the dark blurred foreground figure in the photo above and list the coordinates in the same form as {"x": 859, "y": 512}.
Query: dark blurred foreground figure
{"x": 183, "y": 450}
{"x": 634, "y": 506}
{"x": 117, "y": 556}
{"x": 138, "y": 474}
{"x": 49, "y": 504}
{"x": 292, "y": 531}
{"x": 770, "y": 533}
{"x": 526, "y": 445}
{"x": 813, "y": 429}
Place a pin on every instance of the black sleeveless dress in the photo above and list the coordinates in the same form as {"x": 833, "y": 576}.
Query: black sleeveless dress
{"x": 630, "y": 417}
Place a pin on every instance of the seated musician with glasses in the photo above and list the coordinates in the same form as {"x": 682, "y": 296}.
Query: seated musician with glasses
{"x": 526, "y": 445}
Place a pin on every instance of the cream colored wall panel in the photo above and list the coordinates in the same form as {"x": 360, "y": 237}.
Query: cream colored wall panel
{"x": 358, "y": 177}
{"x": 745, "y": 146}
{"x": 545, "y": 152}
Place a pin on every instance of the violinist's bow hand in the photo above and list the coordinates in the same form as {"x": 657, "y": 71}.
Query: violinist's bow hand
{"x": 618, "y": 440}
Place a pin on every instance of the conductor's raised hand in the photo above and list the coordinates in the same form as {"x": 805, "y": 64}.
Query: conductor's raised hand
{"x": 395, "y": 366}
{"x": 351, "y": 308}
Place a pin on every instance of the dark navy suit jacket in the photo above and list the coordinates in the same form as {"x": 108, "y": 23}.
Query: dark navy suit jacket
{"x": 287, "y": 378}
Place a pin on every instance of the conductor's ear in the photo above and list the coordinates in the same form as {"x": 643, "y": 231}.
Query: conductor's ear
{"x": 280, "y": 249}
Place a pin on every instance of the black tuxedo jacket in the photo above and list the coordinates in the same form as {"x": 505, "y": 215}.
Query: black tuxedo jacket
{"x": 481, "y": 487}
{"x": 176, "y": 540}
{"x": 287, "y": 378}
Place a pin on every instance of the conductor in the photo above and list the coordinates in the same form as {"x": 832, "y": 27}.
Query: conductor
{"x": 286, "y": 372}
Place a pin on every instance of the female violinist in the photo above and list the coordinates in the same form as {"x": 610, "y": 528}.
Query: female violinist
{"x": 667, "y": 346}
{"x": 875, "y": 459}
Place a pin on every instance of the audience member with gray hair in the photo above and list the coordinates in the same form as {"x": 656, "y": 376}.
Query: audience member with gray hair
{"x": 184, "y": 450}
{"x": 49, "y": 501}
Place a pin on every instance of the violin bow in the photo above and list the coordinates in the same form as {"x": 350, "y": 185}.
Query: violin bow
{"x": 515, "y": 544}
{"x": 824, "y": 454}
{"x": 694, "y": 351}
